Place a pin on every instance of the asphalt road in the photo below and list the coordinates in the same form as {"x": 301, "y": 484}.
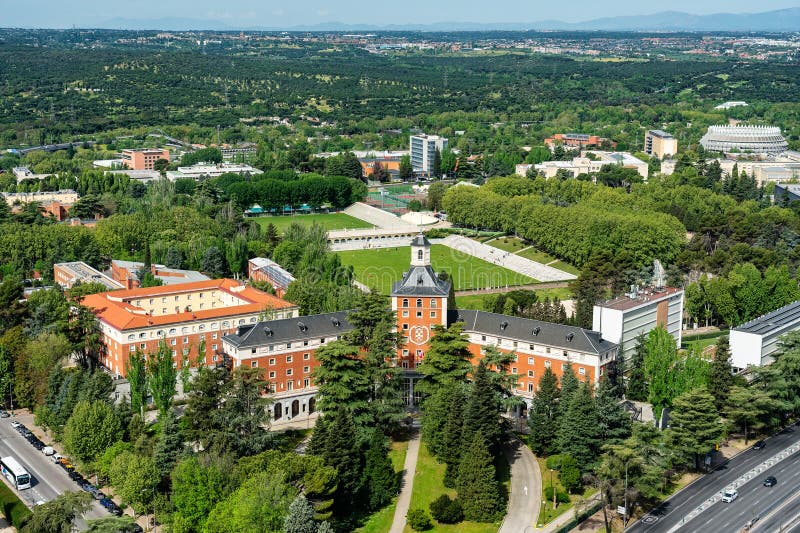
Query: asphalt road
{"x": 754, "y": 498}
{"x": 49, "y": 479}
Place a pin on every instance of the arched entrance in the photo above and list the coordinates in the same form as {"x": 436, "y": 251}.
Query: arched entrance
{"x": 295, "y": 408}
{"x": 312, "y": 403}
{"x": 277, "y": 412}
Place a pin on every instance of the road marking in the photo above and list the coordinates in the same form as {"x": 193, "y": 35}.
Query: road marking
{"x": 736, "y": 484}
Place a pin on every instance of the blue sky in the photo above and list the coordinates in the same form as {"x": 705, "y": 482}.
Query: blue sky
{"x": 61, "y": 13}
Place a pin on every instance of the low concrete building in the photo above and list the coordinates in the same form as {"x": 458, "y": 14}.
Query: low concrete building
{"x": 204, "y": 170}
{"x": 623, "y": 319}
{"x": 588, "y": 164}
{"x": 753, "y": 343}
{"x": 127, "y": 273}
{"x": 67, "y": 275}
{"x": 267, "y": 270}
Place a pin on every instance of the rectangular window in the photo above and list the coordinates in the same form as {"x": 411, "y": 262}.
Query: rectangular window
{"x": 405, "y": 314}
{"x": 142, "y": 346}
{"x": 405, "y": 353}
{"x": 306, "y": 369}
{"x": 563, "y": 366}
{"x": 254, "y": 364}
{"x": 547, "y": 350}
{"x": 272, "y": 375}
{"x": 547, "y": 364}
{"x": 582, "y": 371}
{"x": 566, "y": 354}
{"x": 186, "y": 340}
{"x": 419, "y": 314}
{"x": 164, "y": 310}
{"x": 322, "y": 340}
{"x": 272, "y": 361}
{"x": 214, "y": 358}
{"x": 288, "y": 358}
{"x": 306, "y": 383}
{"x": 433, "y": 304}
{"x": 288, "y": 371}
{"x": 405, "y": 364}
{"x": 513, "y": 370}
{"x": 305, "y": 343}
{"x": 530, "y": 373}
{"x": 306, "y": 356}
{"x": 530, "y": 387}
{"x": 214, "y": 336}
{"x": 132, "y": 347}
{"x": 532, "y": 347}
{"x": 433, "y": 314}
{"x": 271, "y": 347}
{"x": 483, "y": 337}
{"x": 405, "y": 326}
{"x": 173, "y": 342}
{"x": 214, "y": 347}
{"x": 514, "y": 344}
{"x": 530, "y": 360}
{"x": 288, "y": 345}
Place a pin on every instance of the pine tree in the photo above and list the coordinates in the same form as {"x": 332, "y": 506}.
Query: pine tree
{"x": 341, "y": 451}
{"x": 476, "y": 485}
{"x": 695, "y": 426}
{"x": 169, "y": 447}
{"x": 380, "y": 480}
{"x": 578, "y": 431}
{"x": 300, "y": 518}
{"x": 637, "y": 383}
{"x": 613, "y": 422}
{"x": 342, "y": 380}
{"x": 543, "y": 416}
{"x": 720, "y": 379}
{"x": 448, "y": 359}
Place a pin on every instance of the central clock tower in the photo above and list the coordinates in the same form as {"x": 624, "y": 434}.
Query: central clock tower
{"x": 420, "y": 302}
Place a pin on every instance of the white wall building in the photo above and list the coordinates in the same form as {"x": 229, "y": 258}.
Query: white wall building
{"x": 584, "y": 165}
{"x": 623, "y": 319}
{"x": 754, "y": 342}
{"x": 423, "y": 150}
{"x": 204, "y": 170}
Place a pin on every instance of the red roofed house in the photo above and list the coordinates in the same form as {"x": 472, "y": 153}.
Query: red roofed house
{"x": 183, "y": 315}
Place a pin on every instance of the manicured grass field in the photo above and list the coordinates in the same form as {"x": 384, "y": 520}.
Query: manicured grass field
{"x": 381, "y": 521}
{"x": 328, "y": 221}
{"x": 475, "y": 301}
{"x": 508, "y": 244}
{"x": 566, "y": 267}
{"x": 428, "y": 486}
{"x": 537, "y": 255}
{"x": 379, "y": 268}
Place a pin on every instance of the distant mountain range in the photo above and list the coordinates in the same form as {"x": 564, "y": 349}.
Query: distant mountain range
{"x": 783, "y": 20}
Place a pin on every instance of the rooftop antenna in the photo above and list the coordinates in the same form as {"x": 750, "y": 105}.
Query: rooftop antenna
{"x": 658, "y": 275}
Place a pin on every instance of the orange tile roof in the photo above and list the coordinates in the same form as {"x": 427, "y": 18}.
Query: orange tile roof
{"x": 114, "y": 308}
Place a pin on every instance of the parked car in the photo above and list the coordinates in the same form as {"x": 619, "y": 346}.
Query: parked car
{"x": 15, "y": 424}
{"x": 760, "y": 445}
{"x": 770, "y": 481}
{"x": 48, "y": 450}
{"x": 4, "y": 414}
{"x": 730, "y": 495}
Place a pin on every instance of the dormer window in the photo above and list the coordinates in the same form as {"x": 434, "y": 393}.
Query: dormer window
{"x": 570, "y": 336}
{"x": 536, "y": 331}
{"x": 503, "y": 325}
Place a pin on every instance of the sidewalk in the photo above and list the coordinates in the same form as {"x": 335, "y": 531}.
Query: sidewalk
{"x": 404, "y": 498}
{"x": 525, "y": 494}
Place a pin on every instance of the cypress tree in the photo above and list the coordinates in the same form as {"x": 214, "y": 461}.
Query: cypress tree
{"x": 476, "y": 485}
{"x": 720, "y": 379}
{"x": 380, "y": 480}
{"x": 578, "y": 430}
{"x": 452, "y": 436}
{"x": 637, "y": 383}
{"x": 482, "y": 411}
{"x": 544, "y": 414}
{"x": 569, "y": 385}
{"x": 169, "y": 447}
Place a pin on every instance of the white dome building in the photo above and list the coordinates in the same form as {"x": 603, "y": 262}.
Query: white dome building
{"x": 758, "y": 139}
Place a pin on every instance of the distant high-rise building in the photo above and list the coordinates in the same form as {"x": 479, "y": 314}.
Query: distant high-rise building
{"x": 660, "y": 144}
{"x": 423, "y": 152}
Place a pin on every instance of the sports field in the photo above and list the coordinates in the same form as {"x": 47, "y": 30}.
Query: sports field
{"x": 379, "y": 268}
{"x": 328, "y": 221}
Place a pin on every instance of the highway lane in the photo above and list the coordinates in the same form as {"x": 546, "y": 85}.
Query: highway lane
{"x": 49, "y": 479}
{"x": 782, "y": 515}
{"x": 755, "y": 500}
{"x": 672, "y": 511}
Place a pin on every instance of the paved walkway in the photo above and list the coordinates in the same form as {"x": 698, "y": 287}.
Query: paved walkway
{"x": 507, "y": 260}
{"x": 562, "y": 519}
{"x": 524, "y": 499}
{"x": 378, "y": 217}
{"x": 409, "y": 470}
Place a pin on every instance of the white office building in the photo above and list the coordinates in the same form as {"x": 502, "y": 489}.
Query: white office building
{"x": 754, "y": 342}
{"x": 423, "y": 152}
{"x": 623, "y": 319}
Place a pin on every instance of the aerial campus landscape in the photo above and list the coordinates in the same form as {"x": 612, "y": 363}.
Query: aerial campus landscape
{"x": 353, "y": 267}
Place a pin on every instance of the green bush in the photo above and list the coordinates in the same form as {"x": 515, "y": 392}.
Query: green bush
{"x": 447, "y": 511}
{"x": 554, "y": 462}
{"x": 13, "y": 508}
{"x": 561, "y": 497}
{"x": 418, "y": 520}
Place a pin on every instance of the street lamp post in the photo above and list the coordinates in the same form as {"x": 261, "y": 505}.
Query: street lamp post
{"x": 625, "y": 514}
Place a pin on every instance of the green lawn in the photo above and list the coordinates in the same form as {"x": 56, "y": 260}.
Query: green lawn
{"x": 472, "y": 301}
{"x": 381, "y": 521}
{"x": 566, "y": 267}
{"x": 428, "y": 486}
{"x": 692, "y": 342}
{"x": 508, "y": 244}
{"x": 329, "y": 221}
{"x": 379, "y": 268}
{"x": 537, "y": 255}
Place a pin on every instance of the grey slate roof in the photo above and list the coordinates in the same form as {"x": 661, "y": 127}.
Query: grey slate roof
{"x": 420, "y": 240}
{"x": 421, "y": 281}
{"x": 763, "y": 325}
{"x": 291, "y": 329}
{"x": 532, "y": 331}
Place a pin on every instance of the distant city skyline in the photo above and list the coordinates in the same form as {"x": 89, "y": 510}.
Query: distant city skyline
{"x": 260, "y": 13}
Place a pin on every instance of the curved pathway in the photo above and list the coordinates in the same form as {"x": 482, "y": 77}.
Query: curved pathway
{"x": 525, "y": 495}
{"x": 404, "y": 498}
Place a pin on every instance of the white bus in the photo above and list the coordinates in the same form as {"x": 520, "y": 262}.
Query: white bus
{"x": 15, "y": 473}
